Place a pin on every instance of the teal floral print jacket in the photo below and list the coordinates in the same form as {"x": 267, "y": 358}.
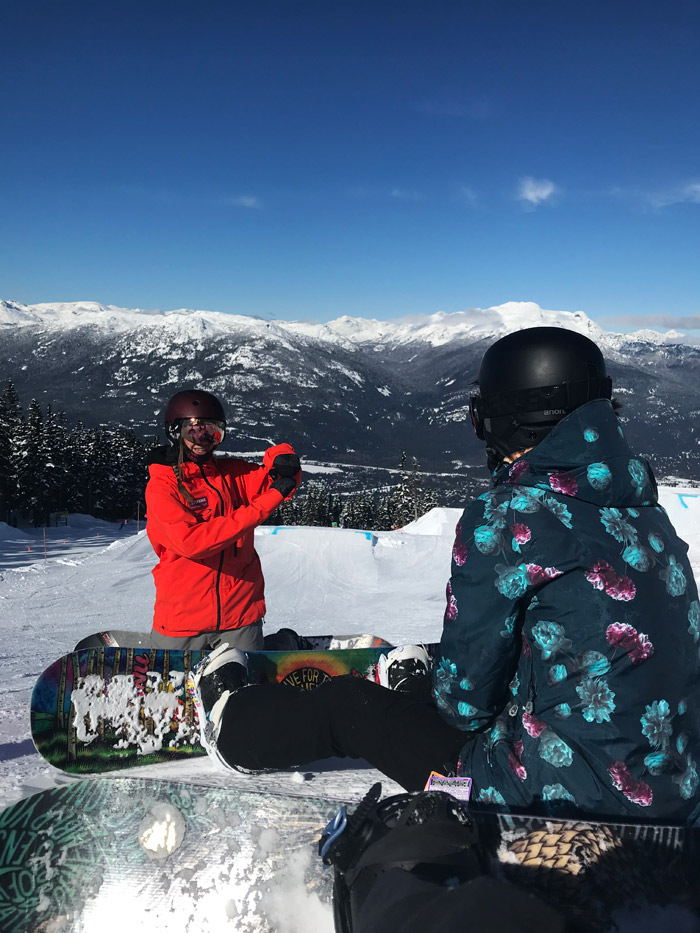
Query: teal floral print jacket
{"x": 571, "y": 635}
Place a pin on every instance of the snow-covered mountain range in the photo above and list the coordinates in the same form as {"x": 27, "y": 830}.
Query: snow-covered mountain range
{"x": 351, "y": 390}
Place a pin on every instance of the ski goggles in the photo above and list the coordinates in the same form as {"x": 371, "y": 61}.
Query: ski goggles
{"x": 202, "y": 429}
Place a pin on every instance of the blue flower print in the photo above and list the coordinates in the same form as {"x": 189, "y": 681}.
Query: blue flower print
{"x": 688, "y": 781}
{"x": 656, "y": 762}
{"x": 496, "y": 514}
{"x": 639, "y": 476}
{"x": 616, "y": 525}
{"x": 674, "y": 577}
{"x": 554, "y": 750}
{"x": 681, "y": 742}
{"x": 656, "y": 725}
{"x": 595, "y": 664}
{"x": 637, "y": 557}
{"x": 487, "y": 540}
{"x": 466, "y": 684}
{"x": 514, "y": 685}
{"x": 562, "y": 711}
{"x": 512, "y": 582}
{"x": 491, "y": 795}
{"x": 694, "y": 619}
{"x": 633, "y": 513}
{"x": 559, "y": 510}
{"x": 558, "y": 673}
{"x": 550, "y": 637}
{"x": 466, "y": 709}
{"x": 599, "y": 475}
{"x": 620, "y": 431}
{"x": 445, "y": 675}
{"x": 656, "y": 542}
{"x": 591, "y": 435}
{"x": 508, "y": 627}
{"x": 598, "y": 698}
{"x": 682, "y": 707}
{"x": 526, "y": 501}
{"x": 556, "y": 792}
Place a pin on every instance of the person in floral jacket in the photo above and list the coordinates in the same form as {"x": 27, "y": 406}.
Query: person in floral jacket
{"x": 567, "y": 679}
{"x": 571, "y": 636}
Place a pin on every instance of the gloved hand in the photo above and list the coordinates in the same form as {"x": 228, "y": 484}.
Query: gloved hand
{"x": 167, "y": 454}
{"x": 285, "y": 465}
{"x": 284, "y": 484}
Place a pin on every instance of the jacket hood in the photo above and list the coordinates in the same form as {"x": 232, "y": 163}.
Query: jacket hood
{"x": 587, "y": 457}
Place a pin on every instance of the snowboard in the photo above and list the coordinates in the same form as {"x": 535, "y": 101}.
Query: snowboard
{"x": 126, "y": 853}
{"x": 102, "y": 709}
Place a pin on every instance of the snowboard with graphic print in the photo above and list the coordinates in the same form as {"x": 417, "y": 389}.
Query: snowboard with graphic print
{"x": 101, "y": 709}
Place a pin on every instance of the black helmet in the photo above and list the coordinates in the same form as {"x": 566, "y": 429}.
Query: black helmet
{"x": 192, "y": 403}
{"x": 530, "y": 380}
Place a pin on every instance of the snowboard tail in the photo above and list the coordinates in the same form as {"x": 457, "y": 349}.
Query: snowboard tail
{"x": 192, "y": 857}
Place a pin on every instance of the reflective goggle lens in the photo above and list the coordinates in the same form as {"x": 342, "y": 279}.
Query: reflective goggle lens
{"x": 197, "y": 429}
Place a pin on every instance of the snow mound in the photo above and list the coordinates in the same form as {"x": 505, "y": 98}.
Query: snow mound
{"x": 438, "y": 521}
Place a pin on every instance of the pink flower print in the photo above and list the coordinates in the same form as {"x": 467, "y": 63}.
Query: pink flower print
{"x": 636, "y": 791}
{"x": 622, "y": 589}
{"x": 517, "y": 470}
{"x": 600, "y": 574}
{"x": 521, "y": 533}
{"x": 527, "y": 650}
{"x": 563, "y": 482}
{"x": 636, "y": 644}
{"x": 533, "y": 726}
{"x": 515, "y": 761}
{"x": 451, "y": 611}
{"x": 539, "y": 574}
{"x": 459, "y": 549}
{"x": 603, "y": 576}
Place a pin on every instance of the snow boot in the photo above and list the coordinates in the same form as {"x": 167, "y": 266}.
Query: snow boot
{"x": 429, "y": 834}
{"x": 404, "y": 668}
{"x": 210, "y": 684}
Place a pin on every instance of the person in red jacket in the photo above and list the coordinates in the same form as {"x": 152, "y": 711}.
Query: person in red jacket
{"x": 202, "y": 512}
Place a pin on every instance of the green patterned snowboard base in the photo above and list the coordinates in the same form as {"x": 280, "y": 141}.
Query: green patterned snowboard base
{"x": 123, "y": 854}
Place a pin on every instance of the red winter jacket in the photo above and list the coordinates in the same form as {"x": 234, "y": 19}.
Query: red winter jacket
{"x": 208, "y": 577}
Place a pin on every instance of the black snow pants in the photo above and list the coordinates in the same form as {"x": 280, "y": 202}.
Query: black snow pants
{"x": 402, "y": 735}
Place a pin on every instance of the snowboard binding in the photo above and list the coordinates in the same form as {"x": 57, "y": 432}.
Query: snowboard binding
{"x": 429, "y": 834}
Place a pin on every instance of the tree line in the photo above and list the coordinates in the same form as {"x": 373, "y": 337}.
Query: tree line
{"x": 48, "y": 466}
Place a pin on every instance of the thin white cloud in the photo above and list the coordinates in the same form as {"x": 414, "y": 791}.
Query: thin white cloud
{"x": 685, "y": 193}
{"x": 249, "y": 201}
{"x": 468, "y": 194}
{"x": 401, "y": 194}
{"x": 535, "y": 191}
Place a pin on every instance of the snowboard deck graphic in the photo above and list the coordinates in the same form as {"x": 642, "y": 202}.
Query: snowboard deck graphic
{"x": 102, "y": 709}
{"x": 145, "y": 855}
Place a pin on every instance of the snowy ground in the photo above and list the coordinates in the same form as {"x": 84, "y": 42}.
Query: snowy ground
{"x": 94, "y": 576}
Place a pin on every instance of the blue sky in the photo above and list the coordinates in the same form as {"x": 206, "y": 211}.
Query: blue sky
{"x": 306, "y": 160}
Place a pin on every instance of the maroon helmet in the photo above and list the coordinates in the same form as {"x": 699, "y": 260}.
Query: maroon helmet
{"x": 194, "y": 403}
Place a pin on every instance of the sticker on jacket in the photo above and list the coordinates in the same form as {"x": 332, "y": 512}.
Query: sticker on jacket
{"x": 198, "y": 504}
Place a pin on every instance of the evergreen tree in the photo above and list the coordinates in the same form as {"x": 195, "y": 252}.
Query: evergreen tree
{"x": 10, "y": 428}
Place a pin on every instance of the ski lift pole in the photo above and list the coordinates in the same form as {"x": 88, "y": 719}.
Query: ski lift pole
{"x": 45, "y": 554}
{"x": 138, "y": 516}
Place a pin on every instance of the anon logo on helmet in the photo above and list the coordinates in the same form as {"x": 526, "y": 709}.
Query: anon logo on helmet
{"x": 554, "y": 411}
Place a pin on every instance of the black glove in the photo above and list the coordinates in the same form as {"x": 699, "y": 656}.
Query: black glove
{"x": 285, "y": 465}
{"x": 166, "y": 454}
{"x": 284, "y": 484}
